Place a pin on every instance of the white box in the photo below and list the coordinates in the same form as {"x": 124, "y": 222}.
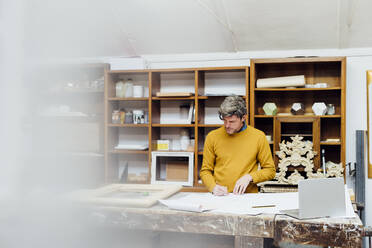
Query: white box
{"x": 158, "y": 167}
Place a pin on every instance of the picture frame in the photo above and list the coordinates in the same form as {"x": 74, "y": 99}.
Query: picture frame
{"x": 127, "y": 195}
{"x": 156, "y": 168}
{"x": 369, "y": 121}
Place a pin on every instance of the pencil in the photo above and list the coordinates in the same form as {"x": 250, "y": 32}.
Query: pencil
{"x": 264, "y": 206}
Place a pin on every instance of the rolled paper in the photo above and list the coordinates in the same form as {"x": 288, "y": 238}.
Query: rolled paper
{"x": 276, "y": 82}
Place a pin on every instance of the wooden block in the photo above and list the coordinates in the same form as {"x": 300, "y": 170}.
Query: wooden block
{"x": 177, "y": 171}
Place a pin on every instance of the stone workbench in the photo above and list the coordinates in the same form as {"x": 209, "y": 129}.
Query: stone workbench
{"x": 248, "y": 230}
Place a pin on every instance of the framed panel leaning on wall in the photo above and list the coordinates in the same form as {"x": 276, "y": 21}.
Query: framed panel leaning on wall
{"x": 369, "y": 121}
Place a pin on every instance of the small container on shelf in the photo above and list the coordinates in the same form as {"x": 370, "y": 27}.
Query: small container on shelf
{"x": 120, "y": 89}
{"x": 138, "y": 116}
{"x": 115, "y": 117}
{"x": 122, "y": 116}
{"x": 128, "y": 119}
{"x": 331, "y": 109}
{"x": 128, "y": 85}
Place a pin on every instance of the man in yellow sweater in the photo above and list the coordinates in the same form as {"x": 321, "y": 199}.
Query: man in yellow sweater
{"x": 232, "y": 153}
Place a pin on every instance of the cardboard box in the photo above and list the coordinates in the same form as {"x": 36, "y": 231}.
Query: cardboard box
{"x": 177, "y": 171}
{"x": 162, "y": 145}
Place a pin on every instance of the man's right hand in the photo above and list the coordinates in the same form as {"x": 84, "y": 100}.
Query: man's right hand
{"x": 219, "y": 190}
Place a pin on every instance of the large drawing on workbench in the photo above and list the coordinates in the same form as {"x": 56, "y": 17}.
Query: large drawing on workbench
{"x": 127, "y": 195}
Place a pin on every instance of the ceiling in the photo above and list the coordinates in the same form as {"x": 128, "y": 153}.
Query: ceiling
{"x": 95, "y": 28}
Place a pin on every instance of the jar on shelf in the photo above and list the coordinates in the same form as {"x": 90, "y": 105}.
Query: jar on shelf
{"x": 184, "y": 139}
{"x": 331, "y": 109}
{"x": 128, "y": 118}
{"x": 128, "y": 86}
{"x": 116, "y": 117}
{"x": 122, "y": 116}
{"x": 138, "y": 116}
{"x": 120, "y": 89}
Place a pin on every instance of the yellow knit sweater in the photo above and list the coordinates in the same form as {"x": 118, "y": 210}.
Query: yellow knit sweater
{"x": 226, "y": 158}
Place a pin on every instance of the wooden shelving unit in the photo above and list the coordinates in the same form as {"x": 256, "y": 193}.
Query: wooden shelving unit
{"x": 330, "y": 70}
{"x": 203, "y": 83}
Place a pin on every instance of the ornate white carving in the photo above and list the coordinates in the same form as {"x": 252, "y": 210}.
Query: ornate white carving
{"x": 300, "y": 153}
{"x": 334, "y": 170}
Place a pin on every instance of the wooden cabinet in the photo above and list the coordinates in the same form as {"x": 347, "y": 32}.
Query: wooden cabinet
{"x": 208, "y": 88}
{"x": 325, "y": 131}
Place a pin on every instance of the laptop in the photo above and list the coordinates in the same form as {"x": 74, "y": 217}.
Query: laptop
{"x": 321, "y": 197}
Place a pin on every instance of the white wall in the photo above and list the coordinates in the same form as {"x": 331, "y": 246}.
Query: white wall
{"x": 356, "y": 114}
{"x": 358, "y": 61}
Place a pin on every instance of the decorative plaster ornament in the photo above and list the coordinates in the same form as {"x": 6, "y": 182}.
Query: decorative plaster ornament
{"x": 319, "y": 108}
{"x": 299, "y": 153}
{"x": 270, "y": 108}
{"x": 298, "y": 108}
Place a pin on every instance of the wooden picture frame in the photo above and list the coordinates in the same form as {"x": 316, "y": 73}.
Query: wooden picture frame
{"x": 369, "y": 121}
{"x": 127, "y": 195}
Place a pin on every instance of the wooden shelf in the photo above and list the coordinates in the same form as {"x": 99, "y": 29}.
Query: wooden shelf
{"x": 210, "y": 125}
{"x": 297, "y": 89}
{"x": 297, "y": 116}
{"x": 172, "y": 125}
{"x": 329, "y": 70}
{"x": 324, "y": 143}
{"x": 172, "y": 98}
{"x": 330, "y": 116}
{"x": 264, "y": 116}
{"x": 128, "y": 125}
{"x": 294, "y": 134}
{"x": 122, "y": 151}
{"x": 308, "y": 59}
{"x": 128, "y": 98}
{"x": 215, "y": 96}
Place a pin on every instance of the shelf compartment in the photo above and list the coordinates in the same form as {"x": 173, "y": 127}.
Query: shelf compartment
{"x": 128, "y": 125}
{"x": 138, "y": 78}
{"x": 316, "y": 70}
{"x": 126, "y": 106}
{"x": 213, "y": 82}
{"x": 266, "y": 125}
{"x": 136, "y": 165}
{"x": 173, "y": 112}
{"x": 284, "y": 100}
{"x": 299, "y": 89}
{"x": 330, "y": 128}
{"x": 128, "y": 99}
{"x": 169, "y": 81}
{"x": 332, "y": 153}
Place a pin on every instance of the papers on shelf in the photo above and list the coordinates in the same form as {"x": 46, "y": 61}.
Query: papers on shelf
{"x": 132, "y": 147}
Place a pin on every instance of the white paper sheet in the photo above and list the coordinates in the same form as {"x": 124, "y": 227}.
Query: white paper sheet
{"x": 250, "y": 204}
{"x": 185, "y": 206}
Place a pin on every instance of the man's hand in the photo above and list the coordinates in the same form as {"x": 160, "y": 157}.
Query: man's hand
{"x": 219, "y": 190}
{"x": 242, "y": 184}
